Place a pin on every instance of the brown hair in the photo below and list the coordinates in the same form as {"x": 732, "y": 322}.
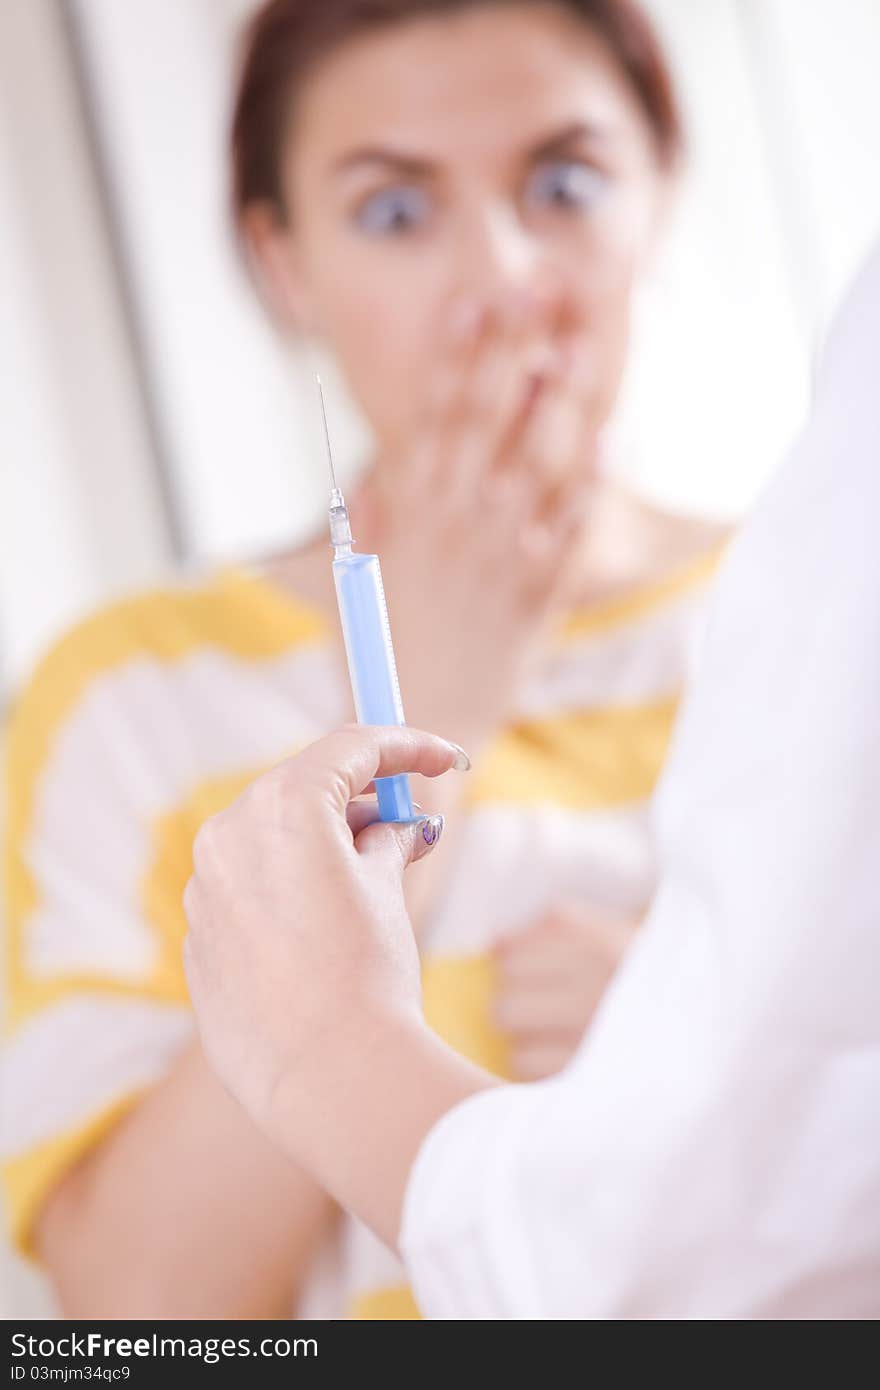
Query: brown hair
{"x": 286, "y": 36}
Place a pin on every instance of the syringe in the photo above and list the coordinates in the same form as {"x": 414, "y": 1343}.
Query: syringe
{"x": 367, "y": 636}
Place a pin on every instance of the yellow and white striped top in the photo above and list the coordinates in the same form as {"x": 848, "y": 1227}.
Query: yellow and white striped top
{"x": 155, "y": 713}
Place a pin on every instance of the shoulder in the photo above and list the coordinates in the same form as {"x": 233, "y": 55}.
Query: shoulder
{"x": 675, "y": 543}
{"x": 674, "y": 556}
{"x": 145, "y": 640}
{"x": 232, "y": 610}
{"x": 641, "y": 560}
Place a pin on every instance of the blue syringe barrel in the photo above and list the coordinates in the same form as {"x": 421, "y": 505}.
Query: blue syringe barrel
{"x": 367, "y": 636}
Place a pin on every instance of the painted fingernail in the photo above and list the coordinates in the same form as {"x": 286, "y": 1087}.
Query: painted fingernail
{"x": 462, "y": 761}
{"x": 431, "y": 829}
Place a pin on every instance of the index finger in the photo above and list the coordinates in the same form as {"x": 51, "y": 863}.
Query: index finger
{"x": 343, "y": 764}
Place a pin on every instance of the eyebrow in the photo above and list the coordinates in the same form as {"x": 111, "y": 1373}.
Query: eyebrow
{"x": 414, "y": 166}
{"x": 578, "y": 131}
{"x": 385, "y": 157}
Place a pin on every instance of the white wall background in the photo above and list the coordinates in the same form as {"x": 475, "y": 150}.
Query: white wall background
{"x": 147, "y": 414}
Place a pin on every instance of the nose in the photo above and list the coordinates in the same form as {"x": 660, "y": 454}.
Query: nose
{"x": 498, "y": 256}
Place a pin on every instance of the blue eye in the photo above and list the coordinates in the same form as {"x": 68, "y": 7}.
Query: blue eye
{"x": 393, "y": 211}
{"x": 567, "y": 184}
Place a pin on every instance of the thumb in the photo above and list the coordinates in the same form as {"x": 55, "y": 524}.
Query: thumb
{"x": 400, "y": 843}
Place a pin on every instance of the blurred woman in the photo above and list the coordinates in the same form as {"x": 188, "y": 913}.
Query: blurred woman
{"x": 458, "y": 199}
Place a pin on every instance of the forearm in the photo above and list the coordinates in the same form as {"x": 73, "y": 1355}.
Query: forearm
{"x": 376, "y": 1101}
{"x": 184, "y": 1210}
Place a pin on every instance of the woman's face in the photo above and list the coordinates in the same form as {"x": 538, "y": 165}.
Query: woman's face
{"x": 478, "y": 153}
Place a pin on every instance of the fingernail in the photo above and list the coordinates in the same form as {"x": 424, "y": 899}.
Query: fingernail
{"x": 462, "y": 761}
{"x": 431, "y": 828}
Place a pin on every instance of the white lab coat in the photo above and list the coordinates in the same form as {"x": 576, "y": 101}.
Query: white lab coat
{"x": 713, "y": 1150}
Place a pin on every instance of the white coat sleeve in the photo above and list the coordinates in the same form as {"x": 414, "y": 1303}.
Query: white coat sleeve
{"x": 714, "y": 1147}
